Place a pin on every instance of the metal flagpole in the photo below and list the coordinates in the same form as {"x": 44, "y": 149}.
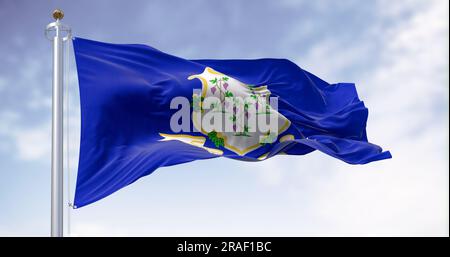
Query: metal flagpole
{"x": 61, "y": 33}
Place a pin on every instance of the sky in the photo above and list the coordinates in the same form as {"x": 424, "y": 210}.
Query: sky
{"x": 395, "y": 51}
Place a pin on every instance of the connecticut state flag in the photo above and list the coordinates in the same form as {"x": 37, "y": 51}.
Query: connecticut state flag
{"x": 142, "y": 109}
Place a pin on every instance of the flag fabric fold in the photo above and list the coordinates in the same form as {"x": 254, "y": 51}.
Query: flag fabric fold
{"x": 125, "y": 96}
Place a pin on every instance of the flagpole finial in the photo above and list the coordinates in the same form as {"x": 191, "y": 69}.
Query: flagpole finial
{"x": 58, "y": 14}
{"x": 57, "y": 28}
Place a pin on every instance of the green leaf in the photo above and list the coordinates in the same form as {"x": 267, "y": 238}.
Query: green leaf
{"x": 225, "y": 78}
{"x": 214, "y": 81}
{"x": 218, "y": 141}
{"x": 228, "y": 94}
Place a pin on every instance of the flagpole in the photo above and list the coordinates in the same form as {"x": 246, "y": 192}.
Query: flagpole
{"x": 61, "y": 33}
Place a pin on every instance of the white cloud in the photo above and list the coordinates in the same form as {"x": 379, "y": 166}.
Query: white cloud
{"x": 24, "y": 143}
{"x": 38, "y": 100}
{"x": 34, "y": 143}
{"x": 407, "y": 195}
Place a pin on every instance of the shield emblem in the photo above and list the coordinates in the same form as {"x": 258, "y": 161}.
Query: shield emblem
{"x": 248, "y": 103}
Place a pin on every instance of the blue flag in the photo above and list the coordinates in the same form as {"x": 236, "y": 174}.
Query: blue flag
{"x": 142, "y": 109}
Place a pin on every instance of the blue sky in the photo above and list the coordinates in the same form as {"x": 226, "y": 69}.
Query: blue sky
{"x": 395, "y": 51}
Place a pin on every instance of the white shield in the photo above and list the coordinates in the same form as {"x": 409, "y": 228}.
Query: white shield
{"x": 241, "y": 139}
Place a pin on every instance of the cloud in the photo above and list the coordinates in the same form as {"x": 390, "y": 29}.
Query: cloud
{"x": 33, "y": 144}
{"x": 27, "y": 143}
{"x": 405, "y": 86}
{"x": 27, "y": 127}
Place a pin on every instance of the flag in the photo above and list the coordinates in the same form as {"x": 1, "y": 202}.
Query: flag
{"x": 142, "y": 109}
